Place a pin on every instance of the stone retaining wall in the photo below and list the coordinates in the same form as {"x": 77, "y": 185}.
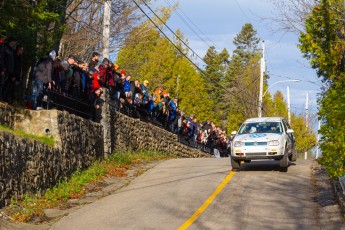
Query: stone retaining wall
{"x": 137, "y": 135}
{"x": 6, "y": 115}
{"x": 28, "y": 166}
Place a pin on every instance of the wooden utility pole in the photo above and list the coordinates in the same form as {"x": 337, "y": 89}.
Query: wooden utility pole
{"x": 262, "y": 73}
{"x": 288, "y": 103}
{"x": 307, "y": 111}
{"x": 106, "y": 28}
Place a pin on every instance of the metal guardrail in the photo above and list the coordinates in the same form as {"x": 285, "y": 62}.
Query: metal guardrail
{"x": 84, "y": 109}
{"x": 67, "y": 103}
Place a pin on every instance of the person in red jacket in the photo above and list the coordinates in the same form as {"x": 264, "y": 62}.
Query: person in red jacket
{"x": 103, "y": 72}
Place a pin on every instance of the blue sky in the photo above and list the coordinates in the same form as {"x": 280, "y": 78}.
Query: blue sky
{"x": 220, "y": 21}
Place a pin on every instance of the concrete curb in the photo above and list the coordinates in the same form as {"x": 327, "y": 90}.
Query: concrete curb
{"x": 339, "y": 193}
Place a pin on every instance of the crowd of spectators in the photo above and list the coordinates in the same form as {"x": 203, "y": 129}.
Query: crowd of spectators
{"x": 84, "y": 81}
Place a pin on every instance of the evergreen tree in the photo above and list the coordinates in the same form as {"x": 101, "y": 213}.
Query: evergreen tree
{"x": 323, "y": 44}
{"x": 37, "y": 25}
{"x": 242, "y": 78}
{"x": 216, "y": 67}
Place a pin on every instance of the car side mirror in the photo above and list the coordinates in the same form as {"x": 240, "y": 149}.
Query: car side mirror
{"x": 289, "y": 131}
{"x": 233, "y": 133}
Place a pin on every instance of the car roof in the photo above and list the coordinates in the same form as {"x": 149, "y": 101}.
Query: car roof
{"x": 264, "y": 119}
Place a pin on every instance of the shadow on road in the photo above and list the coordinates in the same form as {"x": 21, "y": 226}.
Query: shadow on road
{"x": 263, "y": 166}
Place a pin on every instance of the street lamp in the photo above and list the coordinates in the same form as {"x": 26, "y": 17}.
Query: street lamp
{"x": 260, "y": 99}
{"x": 277, "y": 83}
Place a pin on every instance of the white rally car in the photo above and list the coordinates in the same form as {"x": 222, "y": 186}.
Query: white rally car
{"x": 263, "y": 138}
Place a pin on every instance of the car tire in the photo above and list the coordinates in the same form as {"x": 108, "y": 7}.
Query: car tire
{"x": 293, "y": 157}
{"x": 234, "y": 163}
{"x": 284, "y": 162}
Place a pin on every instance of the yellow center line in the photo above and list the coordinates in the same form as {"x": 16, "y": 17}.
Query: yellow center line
{"x": 205, "y": 205}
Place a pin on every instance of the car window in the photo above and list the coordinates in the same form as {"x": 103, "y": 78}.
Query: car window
{"x": 286, "y": 125}
{"x": 261, "y": 127}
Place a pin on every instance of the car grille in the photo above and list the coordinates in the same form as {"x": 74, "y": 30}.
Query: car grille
{"x": 255, "y": 154}
{"x": 255, "y": 144}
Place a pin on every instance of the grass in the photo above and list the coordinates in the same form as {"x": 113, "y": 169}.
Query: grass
{"x": 30, "y": 207}
{"x": 48, "y": 140}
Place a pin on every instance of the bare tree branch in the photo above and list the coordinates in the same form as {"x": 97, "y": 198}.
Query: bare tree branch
{"x": 290, "y": 15}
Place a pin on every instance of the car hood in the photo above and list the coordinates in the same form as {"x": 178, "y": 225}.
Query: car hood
{"x": 258, "y": 137}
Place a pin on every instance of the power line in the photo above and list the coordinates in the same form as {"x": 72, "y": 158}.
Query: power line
{"x": 245, "y": 15}
{"x": 190, "y": 27}
{"x": 201, "y": 71}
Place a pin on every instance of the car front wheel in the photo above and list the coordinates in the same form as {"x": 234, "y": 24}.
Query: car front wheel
{"x": 284, "y": 162}
{"x": 293, "y": 156}
{"x": 234, "y": 163}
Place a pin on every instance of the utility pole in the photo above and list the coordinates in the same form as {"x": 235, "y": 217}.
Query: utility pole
{"x": 307, "y": 111}
{"x": 262, "y": 73}
{"x": 106, "y": 28}
{"x": 317, "y": 141}
{"x": 177, "y": 84}
{"x": 288, "y": 103}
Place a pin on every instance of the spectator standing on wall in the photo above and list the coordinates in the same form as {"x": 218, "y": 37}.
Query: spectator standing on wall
{"x": 145, "y": 91}
{"x": 58, "y": 75}
{"x": 42, "y": 76}
{"x": 180, "y": 124}
{"x": 71, "y": 61}
{"x": 172, "y": 114}
{"x": 16, "y": 91}
{"x": 94, "y": 60}
{"x": 103, "y": 72}
{"x": 194, "y": 128}
{"x": 127, "y": 85}
{"x": 157, "y": 95}
{"x": 8, "y": 66}
{"x": 97, "y": 102}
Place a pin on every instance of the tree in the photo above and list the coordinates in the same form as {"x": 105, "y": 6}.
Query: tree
{"x": 276, "y": 107}
{"x": 242, "y": 78}
{"x": 216, "y": 67}
{"x": 84, "y": 28}
{"x": 323, "y": 45}
{"x": 36, "y": 24}
{"x": 305, "y": 136}
{"x": 246, "y": 43}
{"x": 290, "y": 15}
{"x": 148, "y": 55}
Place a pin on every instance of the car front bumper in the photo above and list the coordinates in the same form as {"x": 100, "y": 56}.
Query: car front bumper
{"x": 257, "y": 152}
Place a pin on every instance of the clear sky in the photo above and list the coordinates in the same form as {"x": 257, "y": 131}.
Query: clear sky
{"x": 217, "y": 22}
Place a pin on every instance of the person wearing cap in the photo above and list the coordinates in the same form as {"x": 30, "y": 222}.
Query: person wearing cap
{"x": 94, "y": 60}
{"x": 145, "y": 91}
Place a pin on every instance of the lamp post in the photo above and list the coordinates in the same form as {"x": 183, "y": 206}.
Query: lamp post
{"x": 263, "y": 95}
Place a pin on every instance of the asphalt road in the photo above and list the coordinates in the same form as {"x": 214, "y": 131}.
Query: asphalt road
{"x": 258, "y": 196}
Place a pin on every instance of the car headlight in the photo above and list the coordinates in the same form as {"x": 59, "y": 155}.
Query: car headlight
{"x": 273, "y": 143}
{"x": 238, "y": 143}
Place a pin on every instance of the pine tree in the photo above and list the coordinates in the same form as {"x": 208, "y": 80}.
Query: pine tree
{"x": 242, "y": 78}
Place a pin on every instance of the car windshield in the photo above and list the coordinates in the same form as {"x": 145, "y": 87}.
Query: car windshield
{"x": 261, "y": 127}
